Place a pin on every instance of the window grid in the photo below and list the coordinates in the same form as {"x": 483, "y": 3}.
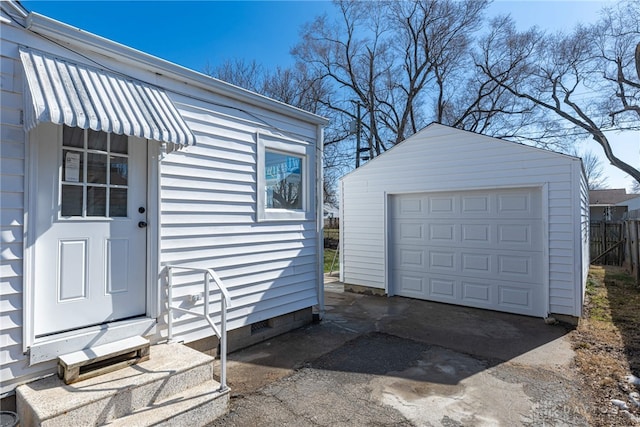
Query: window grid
{"x": 111, "y": 160}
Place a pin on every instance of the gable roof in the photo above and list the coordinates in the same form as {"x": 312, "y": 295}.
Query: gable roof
{"x": 434, "y": 130}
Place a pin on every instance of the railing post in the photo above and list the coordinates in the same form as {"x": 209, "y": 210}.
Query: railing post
{"x": 206, "y": 294}
{"x": 223, "y": 344}
{"x": 169, "y": 303}
{"x": 222, "y": 333}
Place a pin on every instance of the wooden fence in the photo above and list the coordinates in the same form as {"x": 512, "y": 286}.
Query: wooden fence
{"x": 616, "y": 243}
{"x": 631, "y": 233}
{"x": 607, "y": 244}
{"x": 331, "y": 238}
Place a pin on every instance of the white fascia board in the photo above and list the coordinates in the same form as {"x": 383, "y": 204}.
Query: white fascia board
{"x": 88, "y": 41}
{"x": 15, "y": 7}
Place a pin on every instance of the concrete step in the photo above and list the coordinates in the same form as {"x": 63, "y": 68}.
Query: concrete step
{"x": 171, "y": 371}
{"x": 198, "y": 406}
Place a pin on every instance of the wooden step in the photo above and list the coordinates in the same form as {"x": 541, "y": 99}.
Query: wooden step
{"x": 91, "y": 362}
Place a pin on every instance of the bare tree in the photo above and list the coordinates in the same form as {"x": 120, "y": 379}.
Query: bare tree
{"x": 400, "y": 61}
{"x": 405, "y": 64}
{"x": 295, "y": 86}
{"x": 593, "y": 168}
{"x": 247, "y": 75}
{"x": 584, "y": 81}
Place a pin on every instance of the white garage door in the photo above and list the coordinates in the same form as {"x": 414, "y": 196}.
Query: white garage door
{"x": 475, "y": 248}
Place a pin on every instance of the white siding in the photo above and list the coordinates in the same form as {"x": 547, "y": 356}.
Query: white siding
{"x": 208, "y": 204}
{"x": 584, "y": 233}
{"x": 632, "y": 204}
{"x": 440, "y": 158}
{"x": 208, "y": 209}
{"x": 12, "y": 169}
{"x": 13, "y": 363}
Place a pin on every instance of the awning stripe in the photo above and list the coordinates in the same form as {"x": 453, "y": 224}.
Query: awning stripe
{"x": 64, "y": 92}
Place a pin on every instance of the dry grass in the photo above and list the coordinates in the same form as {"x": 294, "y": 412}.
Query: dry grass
{"x": 607, "y": 343}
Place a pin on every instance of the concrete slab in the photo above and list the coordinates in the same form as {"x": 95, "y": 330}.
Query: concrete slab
{"x": 173, "y": 370}
{"x": 395, "y": 361}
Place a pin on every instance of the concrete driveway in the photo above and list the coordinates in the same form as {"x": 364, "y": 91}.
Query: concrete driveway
{"x": 378, "y": 361}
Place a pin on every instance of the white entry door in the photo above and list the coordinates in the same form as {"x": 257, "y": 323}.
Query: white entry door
{"x": 90, "y": 243}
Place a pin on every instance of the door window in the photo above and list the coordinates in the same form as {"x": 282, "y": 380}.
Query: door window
{"x": 95, "y": 171}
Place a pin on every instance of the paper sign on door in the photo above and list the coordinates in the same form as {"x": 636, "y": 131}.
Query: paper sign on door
{"x": 72, "y": 167}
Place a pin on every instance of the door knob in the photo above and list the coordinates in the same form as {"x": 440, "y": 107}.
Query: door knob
{"x": 142, "y": 224}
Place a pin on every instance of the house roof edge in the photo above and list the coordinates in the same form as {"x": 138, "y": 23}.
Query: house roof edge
{"x": 77, "y": 37}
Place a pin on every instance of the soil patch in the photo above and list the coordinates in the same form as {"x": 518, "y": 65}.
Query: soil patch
{"x": 607, "y": 345}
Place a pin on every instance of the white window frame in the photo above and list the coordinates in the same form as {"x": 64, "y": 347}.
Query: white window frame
{"x": 287, "y": 147}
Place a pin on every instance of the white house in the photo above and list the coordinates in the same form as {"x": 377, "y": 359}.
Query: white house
{"x": 115, "y": 164}
{"x": 633, "y": 207}
{"x": 461, "y": 218}
{"x": 612, "y": 204}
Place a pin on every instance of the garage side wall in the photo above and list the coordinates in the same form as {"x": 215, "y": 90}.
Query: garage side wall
{"x": 440, "y": 158}
{"x": 584, "y": 235}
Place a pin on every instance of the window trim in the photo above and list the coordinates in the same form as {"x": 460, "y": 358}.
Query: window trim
{"x": 285, "y": 146}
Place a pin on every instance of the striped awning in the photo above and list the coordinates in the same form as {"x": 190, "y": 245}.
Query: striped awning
{"x": 64, "y": 92}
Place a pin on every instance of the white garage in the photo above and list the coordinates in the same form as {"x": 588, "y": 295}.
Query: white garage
{"x": 460, "y": 218}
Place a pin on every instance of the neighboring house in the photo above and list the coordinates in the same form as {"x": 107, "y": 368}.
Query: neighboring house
{"x": 611, "y": 204}
{"x": 633, "y": 207}
{"x": 457, "y": 217}
{"x": 116, "y": 163}
{"x": 330, "y": 211}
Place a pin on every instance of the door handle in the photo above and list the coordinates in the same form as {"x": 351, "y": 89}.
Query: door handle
{"x": 142, "y": 224}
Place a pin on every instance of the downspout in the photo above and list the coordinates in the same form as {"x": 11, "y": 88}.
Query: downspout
{"x": 320, "y": 218}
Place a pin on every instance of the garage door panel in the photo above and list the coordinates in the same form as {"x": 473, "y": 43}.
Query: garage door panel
{"x": 441, "y": 205}
{"x": 518, "y": 266}
{"x": 476, "y": 205}
{"x": 519, "y": 204}
{"x": 477, "y": 248}
{"x": 517, "y": 235}
{"x": 410, "y": 231}
{"x": 410, "y": 207}
{"x": 442, "y": 261}
{"x": 410, "y": 285}
{"x": 521, "y": 267}
{"x": 411, "y": 258}
{"x": 477, "y": 233}
{"x": 477, "y": 294}
{"x": 441, "y": 289}
{"x": 476, "y": 263}
{"x": 442, "y": 233}
{"x": 520, "y": 299}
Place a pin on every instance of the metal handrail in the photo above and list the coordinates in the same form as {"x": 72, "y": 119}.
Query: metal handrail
{"x": 225, "y": 302}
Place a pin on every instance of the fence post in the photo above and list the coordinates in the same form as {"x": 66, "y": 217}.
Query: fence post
{"x": 636, "y": 246}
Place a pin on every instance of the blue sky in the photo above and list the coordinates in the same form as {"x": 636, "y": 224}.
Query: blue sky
{"x": 195, "y": 34}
